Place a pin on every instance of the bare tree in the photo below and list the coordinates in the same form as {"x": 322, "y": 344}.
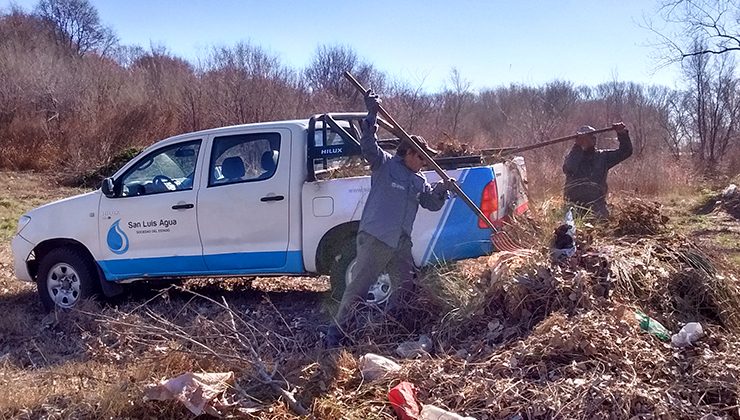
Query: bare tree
{"x": 77, "y": 25}
{"x": 555, "y": 101}
{"x": 455, "y": 98}
{"x": 247, "y": 85}
{"x": 713, "y": 98}
{"x": 714, "y": 23}
{"x": 411, "y": 102}
{"x": 671, "y": 118}
{"x": 325, "y": 74}
{"x": 491, "y": 115}
{"x": 127, "y": 55}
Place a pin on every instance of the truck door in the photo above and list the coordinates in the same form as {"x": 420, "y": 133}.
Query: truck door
{"x": 243, "y": 206}
{"x": 149, "y": 228}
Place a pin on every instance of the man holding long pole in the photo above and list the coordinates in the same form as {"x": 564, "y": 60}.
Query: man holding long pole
{"x": 586, "y": 168}
{"x": 397, "y": 190}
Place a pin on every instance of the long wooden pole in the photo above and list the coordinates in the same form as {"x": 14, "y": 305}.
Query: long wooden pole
{"x": 404, "y": 136}
{"x": 511, "y": 150}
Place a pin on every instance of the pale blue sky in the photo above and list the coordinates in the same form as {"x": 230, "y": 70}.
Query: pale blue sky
{"x": 492, "y": 43}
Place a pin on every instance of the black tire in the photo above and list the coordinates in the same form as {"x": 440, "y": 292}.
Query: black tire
{"x": 71, "y": 273}
{"x": 342, "y": 259}
{"x": 344, "y": 256}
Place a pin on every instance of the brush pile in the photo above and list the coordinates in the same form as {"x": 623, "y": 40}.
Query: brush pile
{"x": 453, "y": 148}
{"x": 514, "y": 336}
{"x": 637, "y": 217}
{"x": 518, "y": 336}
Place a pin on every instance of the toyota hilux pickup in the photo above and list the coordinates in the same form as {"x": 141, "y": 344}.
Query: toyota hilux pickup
{"x": 265, "y": 199}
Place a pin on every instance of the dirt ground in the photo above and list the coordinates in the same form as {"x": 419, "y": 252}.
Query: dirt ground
{"x": 96, "y": 361}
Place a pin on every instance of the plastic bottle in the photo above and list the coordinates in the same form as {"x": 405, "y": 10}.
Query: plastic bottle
{"x": 652, "y": 326}
{"x": 570, "y": 221}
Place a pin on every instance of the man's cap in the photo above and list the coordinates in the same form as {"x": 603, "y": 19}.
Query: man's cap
{"x": 404, "y": 147}
{"x": 585, "y": 129}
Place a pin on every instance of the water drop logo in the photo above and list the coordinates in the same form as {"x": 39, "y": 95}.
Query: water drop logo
{"x": 117, "y": 239}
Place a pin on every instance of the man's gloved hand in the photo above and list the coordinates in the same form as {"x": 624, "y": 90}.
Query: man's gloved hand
{"x": 619, "y": 127}
{"x": 443, "y": 188}
{"x": 372, "y": 103}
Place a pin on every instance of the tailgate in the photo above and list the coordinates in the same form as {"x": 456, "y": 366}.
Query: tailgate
{"x": 454, "y": 233}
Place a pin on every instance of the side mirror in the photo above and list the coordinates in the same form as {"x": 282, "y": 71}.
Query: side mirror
{"x": 107, "y": 188}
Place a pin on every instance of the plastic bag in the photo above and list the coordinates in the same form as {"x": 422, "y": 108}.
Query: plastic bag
{"x": 688, "y": 335}
{"x": 373, "y": 366}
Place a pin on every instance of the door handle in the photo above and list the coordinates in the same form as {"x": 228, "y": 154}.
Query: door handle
{"x": 182, "y": 206}
{"x": 272, "y": 198}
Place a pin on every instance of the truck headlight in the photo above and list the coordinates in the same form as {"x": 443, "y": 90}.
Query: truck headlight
{"x": 22, "y": 223}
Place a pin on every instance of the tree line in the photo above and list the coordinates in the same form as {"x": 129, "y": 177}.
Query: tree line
{"x": 72, "y": 98}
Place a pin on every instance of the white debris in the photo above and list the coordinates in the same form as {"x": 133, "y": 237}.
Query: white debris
{"x": 689, "y": 334}
{"x": 373, "y": 366}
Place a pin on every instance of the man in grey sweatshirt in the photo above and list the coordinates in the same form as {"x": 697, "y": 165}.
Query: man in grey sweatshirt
{"x": 397, "y": 190}
{"x": 586, "y": 168}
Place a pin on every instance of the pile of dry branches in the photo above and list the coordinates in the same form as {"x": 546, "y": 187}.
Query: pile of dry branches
{"x": 637, "y": 217}
{"x": 517, "y": 336}
{"x": 454, "y": 148}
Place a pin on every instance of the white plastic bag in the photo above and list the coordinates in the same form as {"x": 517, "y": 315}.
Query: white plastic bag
{"x": 373, "y": 366}
{"x": 688, "y": 335}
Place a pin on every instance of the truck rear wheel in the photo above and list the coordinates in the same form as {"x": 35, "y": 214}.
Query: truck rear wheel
{"x": 65, "y": 277}
{"x": 341, "y": 275}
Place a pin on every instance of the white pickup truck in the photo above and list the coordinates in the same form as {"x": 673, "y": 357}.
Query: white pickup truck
{"x": 261, "y": 199}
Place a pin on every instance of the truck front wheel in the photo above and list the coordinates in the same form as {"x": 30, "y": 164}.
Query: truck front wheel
{"x": 65, "y": 277}
{"x": 341, "y": 275}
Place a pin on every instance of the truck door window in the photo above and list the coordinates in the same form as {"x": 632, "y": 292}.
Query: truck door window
{"x": 244, "y": 158}
{"x": 171, "y": 168}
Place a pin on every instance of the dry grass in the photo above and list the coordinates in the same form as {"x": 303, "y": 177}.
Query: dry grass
{"x": 514, "y": 334}
{"x": 22, "y": 191}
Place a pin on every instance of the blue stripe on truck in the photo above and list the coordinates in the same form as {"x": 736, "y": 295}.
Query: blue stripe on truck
{"x": 427, "y": 257}
{"x": 192, "y": 265}
{"x": 459, "y": 236}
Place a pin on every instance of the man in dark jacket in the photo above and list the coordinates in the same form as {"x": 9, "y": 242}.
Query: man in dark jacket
{"x": 586, "y": 168}
{"x": 397, "y": 190}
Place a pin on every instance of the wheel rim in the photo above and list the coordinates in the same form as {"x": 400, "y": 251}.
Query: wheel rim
{"x": 63, "y": 285}
{"x": 380, "y": 290}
